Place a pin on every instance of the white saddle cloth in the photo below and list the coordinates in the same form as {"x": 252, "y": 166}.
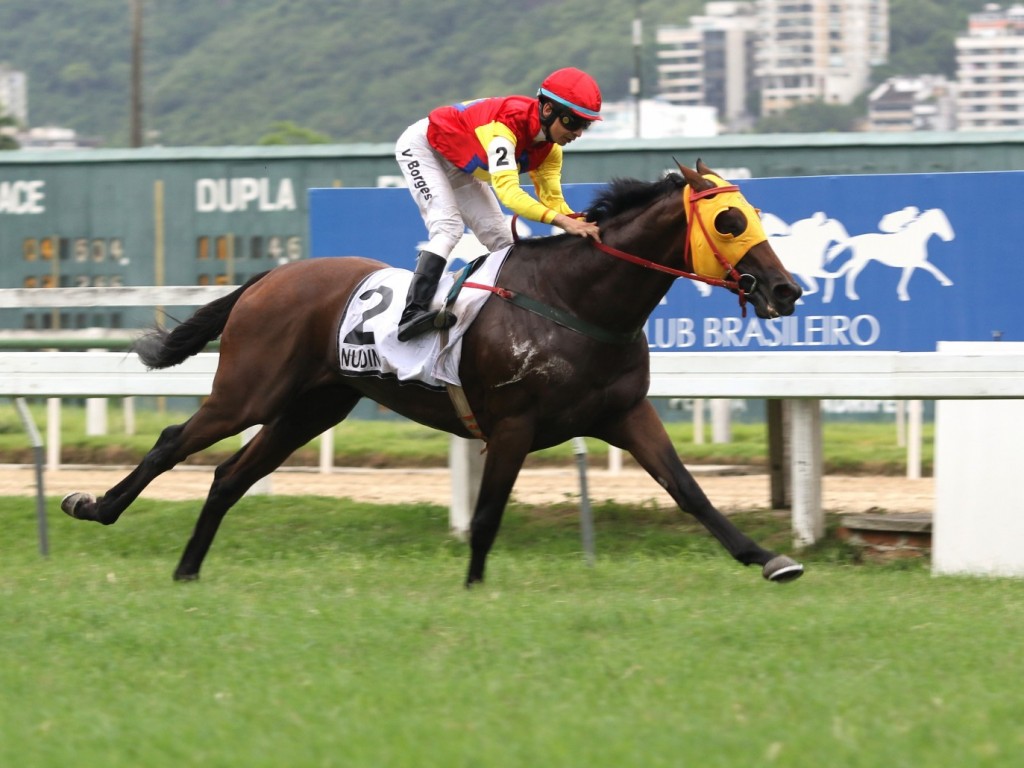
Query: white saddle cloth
{"x": 368, "y": 344}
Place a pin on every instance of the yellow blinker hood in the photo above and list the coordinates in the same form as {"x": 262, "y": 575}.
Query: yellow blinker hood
{"x": 704, "y": 239}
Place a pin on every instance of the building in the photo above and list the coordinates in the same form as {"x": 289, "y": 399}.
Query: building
{"x": 921, "y": 103}
{"x": 14, "y": 94}
{"x": 990, "y": 70}
{"x": 711, "y": 61}
{"x": 53, "y": 137}
{"x": 820, "y": 50}
{"x": 658, "y": 119}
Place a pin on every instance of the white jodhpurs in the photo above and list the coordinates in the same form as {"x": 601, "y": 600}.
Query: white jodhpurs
{"x": 448, "y": 198}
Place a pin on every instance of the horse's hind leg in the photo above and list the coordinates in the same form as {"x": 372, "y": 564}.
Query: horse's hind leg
{"x": 176, "y": 443}
{"x": 309, "y": 414}
{"x": 642, "y": 434}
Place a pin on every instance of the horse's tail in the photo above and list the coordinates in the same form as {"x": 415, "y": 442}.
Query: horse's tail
{"x": 160, "y": 348}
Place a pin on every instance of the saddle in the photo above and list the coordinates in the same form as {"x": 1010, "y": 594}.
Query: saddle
{"x": 368, "y": 342}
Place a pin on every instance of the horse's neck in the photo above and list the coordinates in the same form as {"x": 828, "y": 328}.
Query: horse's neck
{"x": 658, "y": 235}
{"x": 933, "y": 222}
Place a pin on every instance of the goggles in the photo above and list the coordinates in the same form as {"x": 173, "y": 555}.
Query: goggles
{"x": 573, "y": 122}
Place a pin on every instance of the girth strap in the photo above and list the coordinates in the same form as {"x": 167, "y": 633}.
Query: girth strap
{"x": 559, "y": 316}
{"x": 458, "y": 397}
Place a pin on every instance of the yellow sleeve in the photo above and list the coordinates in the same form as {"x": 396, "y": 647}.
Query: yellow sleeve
{"x": 547, "y": 179}
{"x": 500, "y": 144}
{"x": 515, "y": 198}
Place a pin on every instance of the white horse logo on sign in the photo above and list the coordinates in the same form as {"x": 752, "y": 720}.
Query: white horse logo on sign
{"x": 802, "y": 245}
{"x": 902, "y": 244}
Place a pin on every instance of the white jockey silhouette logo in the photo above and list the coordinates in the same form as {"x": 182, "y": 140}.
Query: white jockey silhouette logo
{"x": 802, "y": 246}
{"x": 808, "y": 246}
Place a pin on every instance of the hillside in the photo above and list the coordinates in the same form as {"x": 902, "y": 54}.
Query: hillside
{"x": 224, "y": 71}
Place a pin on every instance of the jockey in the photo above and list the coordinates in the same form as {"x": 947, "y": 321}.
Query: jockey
{"x": 451, "y": 156}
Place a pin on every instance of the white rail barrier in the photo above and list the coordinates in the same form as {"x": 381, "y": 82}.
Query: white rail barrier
{"x": 802, "y": 378}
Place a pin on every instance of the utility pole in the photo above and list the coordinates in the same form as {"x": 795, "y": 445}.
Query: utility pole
{"x": 635, "y": 82}
{"x": 136, "y": 91}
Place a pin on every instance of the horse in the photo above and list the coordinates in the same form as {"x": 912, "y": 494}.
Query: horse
{"x": 902, "y": 244}
{"x": 576, "y": 363}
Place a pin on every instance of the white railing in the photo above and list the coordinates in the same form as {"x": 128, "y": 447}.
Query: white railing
{"x": 802, "y": 378}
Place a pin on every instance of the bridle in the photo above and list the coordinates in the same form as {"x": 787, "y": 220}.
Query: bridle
{"x": 743, "y": 284}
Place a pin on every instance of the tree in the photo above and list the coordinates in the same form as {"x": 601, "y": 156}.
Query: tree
{"x": 813, "y": 117}
{"x": 287, "y": 132}
{"x": 7, "y": 127}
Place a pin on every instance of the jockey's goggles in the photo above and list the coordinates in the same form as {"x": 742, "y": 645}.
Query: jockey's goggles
{"x": 573, "y": 122}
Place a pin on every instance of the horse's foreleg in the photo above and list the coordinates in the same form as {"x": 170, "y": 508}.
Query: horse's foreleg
{"x": 308, "y": 416}
{"x": 642, "y": 434}
{"x": 908, "y": 272}
{"x": 506, "y": 450}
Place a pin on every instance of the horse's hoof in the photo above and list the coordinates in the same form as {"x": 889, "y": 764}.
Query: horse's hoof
{"x": 186, "y": 577}
{"x": 782, "y": 569}
{"x": 71, "y": 503}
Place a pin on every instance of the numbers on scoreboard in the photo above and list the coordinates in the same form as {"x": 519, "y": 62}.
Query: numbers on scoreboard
{"x": 87, "y": 261}
{"x": 238, "y": 250}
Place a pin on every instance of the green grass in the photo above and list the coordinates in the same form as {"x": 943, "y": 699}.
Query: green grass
{"x": 852, "y": 447}
{"x": 325, "y": 633}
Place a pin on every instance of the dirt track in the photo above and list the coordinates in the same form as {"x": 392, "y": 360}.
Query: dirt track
{"x": 535, "y": 486}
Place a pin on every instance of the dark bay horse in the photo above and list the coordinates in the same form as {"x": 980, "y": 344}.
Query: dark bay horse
{"x": 531, "y": 382}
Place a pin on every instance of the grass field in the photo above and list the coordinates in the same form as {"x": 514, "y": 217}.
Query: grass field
{"x": 333, "y": 634}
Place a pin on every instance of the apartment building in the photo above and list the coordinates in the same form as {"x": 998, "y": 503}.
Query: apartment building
{"x": 918, "y": 103}
{"x": 759, "y": 58}
{"x": 14, "y": 94}
{"x": 818, "y": 50}
{"x": 990, "y": 70}
{"x": 710, "y": 62}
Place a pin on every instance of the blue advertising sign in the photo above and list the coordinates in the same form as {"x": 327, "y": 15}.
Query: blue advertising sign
{"x": 887, "y": 262}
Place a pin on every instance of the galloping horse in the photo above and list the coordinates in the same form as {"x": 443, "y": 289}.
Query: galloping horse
{"x": 576, "y": 364}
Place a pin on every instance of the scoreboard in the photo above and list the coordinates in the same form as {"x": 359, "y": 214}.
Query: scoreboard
{"x": 154, "y": 217}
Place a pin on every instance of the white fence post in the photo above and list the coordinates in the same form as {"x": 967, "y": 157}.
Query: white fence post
{"x": 915, "y": 414}
{"x": 808, "y": 516}
{"x": 53, "y": 433}
{"x": 721, "y": 421}
{"x": 327, "y": 451}
{"x": 466, "y": 464}
{"x": 128, "y": 408}
{"x": 614, "y": 460}
{"x": 96, "y": 416}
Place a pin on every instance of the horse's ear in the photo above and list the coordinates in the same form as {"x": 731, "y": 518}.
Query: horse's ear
{"x": 701, "y": 168}
{"x": 693, "y": 178}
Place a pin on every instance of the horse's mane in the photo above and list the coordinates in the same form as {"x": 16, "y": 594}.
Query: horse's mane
{"x": 626, "y": 194}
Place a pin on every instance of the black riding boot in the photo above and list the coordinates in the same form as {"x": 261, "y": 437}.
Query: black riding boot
{"x": 418, "y": 317}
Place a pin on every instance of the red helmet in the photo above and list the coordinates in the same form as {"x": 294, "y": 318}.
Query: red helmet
{"x": 575, "y": 89}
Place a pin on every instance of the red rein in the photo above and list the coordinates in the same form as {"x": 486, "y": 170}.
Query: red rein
{"x": 734, "y": 284}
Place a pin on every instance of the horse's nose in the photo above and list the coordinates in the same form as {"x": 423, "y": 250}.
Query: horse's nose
{"x": 786, "y": 293}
